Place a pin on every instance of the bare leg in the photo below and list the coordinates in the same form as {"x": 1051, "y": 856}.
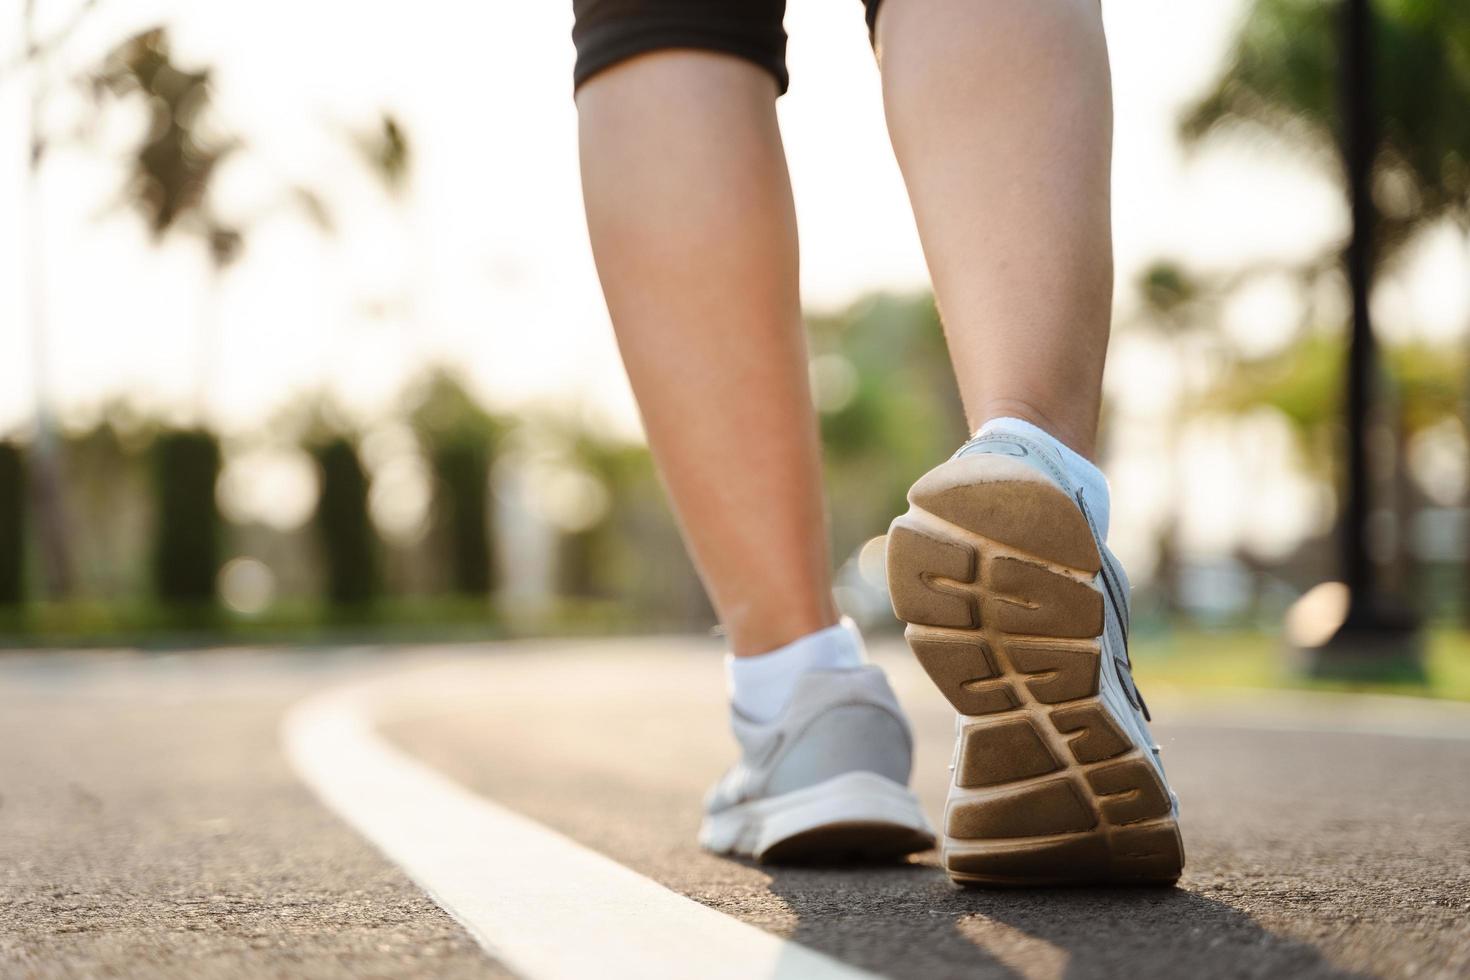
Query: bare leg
{"x": 694, "y": 232}
{"x": 1001, "y": 115}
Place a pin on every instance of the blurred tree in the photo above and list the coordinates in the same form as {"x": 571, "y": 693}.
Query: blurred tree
{"x": 1281, "y": 80}
{"x": 888, "y": 406}
{"x": 349, "y": 544}
{"x": 12, "y": 525}
{"x": 1383, "y": 88}
{"x": 385, "y": 150}
{"x": 169, "y": 177}
{"x": 460, "y": 438}
{"x": 112, "y": 491}
{"x": 593, "y": 561}
{"x": 170, "y": 174}
{"x": 171, "y": 171}
{"x": 186, "y": 558}
{"x": 629, "y": 550}
{"x": 461, "y": 475}
{"x": 1303, "y": 383}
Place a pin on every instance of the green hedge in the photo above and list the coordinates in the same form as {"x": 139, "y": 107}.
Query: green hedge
{"x": 461, "y": 469}
{"x": 186, "y": 544}
{"x": 12, "y": 525}
{"x": 349, "y": 544}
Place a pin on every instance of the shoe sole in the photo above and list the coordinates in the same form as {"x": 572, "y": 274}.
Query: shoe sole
{"x": 993, "y": 568}
{"x": 855, "y": 817}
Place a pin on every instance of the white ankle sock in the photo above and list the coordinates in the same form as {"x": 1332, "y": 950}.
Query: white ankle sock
{"x": 760, "y": 686}
{"x": 1079, "y": 469}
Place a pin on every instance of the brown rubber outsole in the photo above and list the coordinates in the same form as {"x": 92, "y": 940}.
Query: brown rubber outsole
{"x": 993, "y": 571}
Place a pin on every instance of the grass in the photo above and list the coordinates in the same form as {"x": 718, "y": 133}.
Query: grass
{"x": 394, "y": 620}
{"x": 1194, "y": 658}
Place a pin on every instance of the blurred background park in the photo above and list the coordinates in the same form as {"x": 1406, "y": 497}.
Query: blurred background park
{"x": 301, "y": 341}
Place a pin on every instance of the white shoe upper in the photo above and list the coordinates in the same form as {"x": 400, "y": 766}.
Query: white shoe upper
{"x": 1118, "y": 689}
{"x": 837, "y": 722}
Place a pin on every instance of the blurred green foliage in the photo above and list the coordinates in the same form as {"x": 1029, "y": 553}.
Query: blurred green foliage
{"x": 889, "y": 408}
{"x": 887, "y": 402}
{"x": 1281, "y": 87}
{"x": 590, "y": 562}
{"x": 1192, "y": 659}
{"x": 461, "y": 473}
{"x": 460, "y": 439}
{"x": 348, "y": 541}
{"x": 1304, "y": 381}
{"x": 12, "y": 524}
{"x": 1282, "y": 81}
{"x": 186, "y": 556}
{"x": 629, "y": 553}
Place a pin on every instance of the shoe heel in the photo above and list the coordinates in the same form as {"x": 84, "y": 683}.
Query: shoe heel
{"x": 993, "y": 569}
{"x": 858, "y": 815}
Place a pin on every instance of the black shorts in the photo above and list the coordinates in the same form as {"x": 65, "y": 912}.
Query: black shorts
{"x": 609, "y": 31}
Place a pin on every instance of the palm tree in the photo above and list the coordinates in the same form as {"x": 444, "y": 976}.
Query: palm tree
{"x": 1390, "y": 90}
{"x": 169, "y": 176}
{"x": 170, "y": 173}
{"x": 1281, "y": 81}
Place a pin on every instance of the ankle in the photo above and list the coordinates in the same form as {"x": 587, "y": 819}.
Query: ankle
{"x": 1079, "y": 438}
{"x": 762, "y": 685}
{"x": 761, "y": 630}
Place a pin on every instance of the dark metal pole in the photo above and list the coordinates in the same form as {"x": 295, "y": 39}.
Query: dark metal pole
{"x": 1379, "y": 637}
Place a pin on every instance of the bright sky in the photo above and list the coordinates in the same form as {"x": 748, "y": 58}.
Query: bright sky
{"x": 485, "y": 265}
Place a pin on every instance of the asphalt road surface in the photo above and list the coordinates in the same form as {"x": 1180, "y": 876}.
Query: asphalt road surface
{"x": 150, "y": 824}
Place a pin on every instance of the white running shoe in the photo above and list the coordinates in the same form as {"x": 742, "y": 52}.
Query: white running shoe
{"x": 826, "y": 781}
{"x": 1019, "y": 613}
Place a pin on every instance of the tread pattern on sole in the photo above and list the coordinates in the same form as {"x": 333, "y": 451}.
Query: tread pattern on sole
{"x": 1042, "y": 810}
{"x": 1004, "y": 753}
{"x": 935, "y": 559}
{"x": 963, "y": 668}
{"x": 1094, "y": 734}
{"x": 996, "y": 580}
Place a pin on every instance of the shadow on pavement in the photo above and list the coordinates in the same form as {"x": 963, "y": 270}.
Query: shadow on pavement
{"x": 909, "y": 920}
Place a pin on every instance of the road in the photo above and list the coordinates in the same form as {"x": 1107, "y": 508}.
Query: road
{"x": 151, "y": 825}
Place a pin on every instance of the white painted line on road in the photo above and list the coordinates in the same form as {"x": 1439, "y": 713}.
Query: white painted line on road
{"x": 537, "y": 901}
